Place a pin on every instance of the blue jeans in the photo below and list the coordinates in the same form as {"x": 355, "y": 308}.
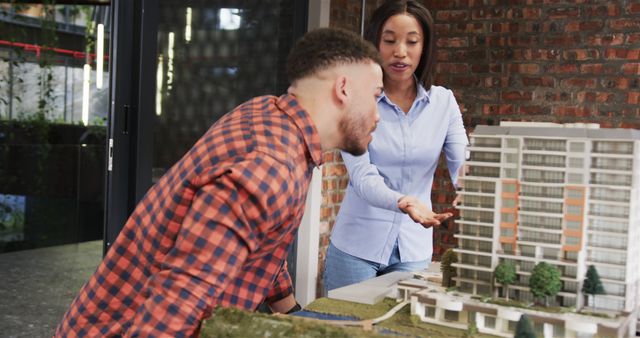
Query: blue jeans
{"x": 341, "y": 269}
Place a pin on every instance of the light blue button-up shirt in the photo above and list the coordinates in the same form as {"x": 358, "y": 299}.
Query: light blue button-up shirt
{"x": 401, "y": 160}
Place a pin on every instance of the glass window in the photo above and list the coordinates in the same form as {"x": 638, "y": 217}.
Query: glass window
{"x": 509, "y": 203}
{"x": 576, "y": 162}
{"x": 569, "y": 240}
{"x": 489, "y": 322}
{"x": 451, "y": 315}
{"x": 574, "y": 225}
{"x": 575, "y": 178}
{"x": 574, "y": 194}
{"x": 574, "y": 209}
{"x": 505, "y": 232}
{"x": 508, "y": 217}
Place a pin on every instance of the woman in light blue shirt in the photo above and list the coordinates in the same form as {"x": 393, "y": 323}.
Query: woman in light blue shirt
{"x": 384, "y": 222}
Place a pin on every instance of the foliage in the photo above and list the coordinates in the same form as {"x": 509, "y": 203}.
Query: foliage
{"x": 524, "y": 329}
{"x": 401, "y": 322}
{"x": 592, "y": 284}
{"x": 446, "y": 266}
{"x": 472, "y": 329}
{"x": 230, "y": 322}
{"x": 505, "y": 274}
{"x": 46, "y": 60}
{"x": 545, "y": 281}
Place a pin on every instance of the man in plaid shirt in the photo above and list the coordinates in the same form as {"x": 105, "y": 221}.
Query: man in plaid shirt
{"x": 216, "y": 229}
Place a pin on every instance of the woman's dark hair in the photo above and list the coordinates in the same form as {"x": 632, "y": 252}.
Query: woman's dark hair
{"x": 426, "y": 67}
{"x": 326, "y": 47}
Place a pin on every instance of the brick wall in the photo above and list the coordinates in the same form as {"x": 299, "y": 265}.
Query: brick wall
{"x": 525, "y": 60}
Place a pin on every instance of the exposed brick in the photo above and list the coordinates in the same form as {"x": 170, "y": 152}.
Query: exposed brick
{"x": 505, "y": 27}
{"x": 525, "y": 68}
{"x": 609, "y": 10}
{"x": 554, "y": 96}
{"x": 328, "y": 156}
{"x": 631, "y": 69}
{"x": 533, "y": 110}
{"x": 595, "y": 97}
{"x": 578, "y": 82}
{"x": 562, "y": 40}
{"x": 334, "y": 170}
{"x": 581, "y": 54}
{"x": 633, "y": 8}
{"x": 606, "y": 39}
{"x": 619, "y": 53}
{"x": 541, "y": 81}
{"x": 566, "y": 68}
{"x": 496, "y": 81}
{"x": 454, "y": 42}
{"x": 599, "y": 68}
{"x": 615, "y": 83}
{"x": 488, "y": 13}
{"x": 464, "y": 81}
{"x": 633, "y": 39}
{"x": 633, "y": 97}
{"x": 625, "y": 25}
{"x": 453, "y": 15}
{"x": 516, "y": 96}
{"x": 442, "y": 28}
{"x": 581, "y": 26}
{"x": 571, "y": 111}
{"x": 563, "y": 12}
{"x": 453, "y": 68}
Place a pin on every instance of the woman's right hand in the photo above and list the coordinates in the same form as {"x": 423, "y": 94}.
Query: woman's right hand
{"x": 419, "y": 212}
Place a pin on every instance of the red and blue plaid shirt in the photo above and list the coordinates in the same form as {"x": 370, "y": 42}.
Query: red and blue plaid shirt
{"x": 214, "y": 231}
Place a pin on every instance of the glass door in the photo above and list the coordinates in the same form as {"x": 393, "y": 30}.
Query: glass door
{"x": 195, "y": 61}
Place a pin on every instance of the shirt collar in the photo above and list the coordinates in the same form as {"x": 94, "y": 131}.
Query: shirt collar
{"x": 303, "y": 121}
{"x": 422, "y": 94}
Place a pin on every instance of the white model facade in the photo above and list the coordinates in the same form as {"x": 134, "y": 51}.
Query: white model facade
{"x": 568, "y": 195}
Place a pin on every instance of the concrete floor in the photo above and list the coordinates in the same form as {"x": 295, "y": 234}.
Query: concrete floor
{"x": 37, "y": 286}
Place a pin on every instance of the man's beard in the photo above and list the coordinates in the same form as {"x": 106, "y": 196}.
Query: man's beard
{"x": 352, "y": 137}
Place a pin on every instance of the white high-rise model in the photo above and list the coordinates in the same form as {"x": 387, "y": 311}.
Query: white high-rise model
{"x": 564, "y": 194}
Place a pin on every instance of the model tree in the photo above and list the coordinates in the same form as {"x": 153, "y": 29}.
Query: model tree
{"x": 592, "y": 284}
{"x": 446, "y": 266}
{"x": 524, "y": 329}
{"x": 545, "y": 281}
{"x": 505, "y": 274}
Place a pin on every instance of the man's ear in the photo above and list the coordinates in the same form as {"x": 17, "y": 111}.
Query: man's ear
{"x": 340, "y": 89}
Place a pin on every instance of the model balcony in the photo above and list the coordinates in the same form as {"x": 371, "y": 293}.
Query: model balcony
{"x": 482, "y": 202}
{"x": 539, "y": 160}
{"x": 541, "y": 206}
{"x": 542, "y": 176}
{"x": 607, "y": 179}
{"x": 486, "y": 142}
{"x": 483, "y": 171}
{"x": 613, "y": 147}
{"x": 552, "y": 223}
{"x": 474, "y": 186}
{"x": 610, "y": 194}
{"x": 608, "y": 226}
{"x": 541, "y": 191}
{"x": 609, "y": 210}
{"x": 483, "y": 156}
{"x": 612, "y": 163}
{"x": 545, "y": 145}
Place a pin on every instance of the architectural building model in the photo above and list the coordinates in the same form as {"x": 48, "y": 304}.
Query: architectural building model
{"x": 564, "y": 194}
{"x": 568, "y": 195}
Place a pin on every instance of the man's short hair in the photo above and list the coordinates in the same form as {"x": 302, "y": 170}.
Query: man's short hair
{"x": 327, "y": 47}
